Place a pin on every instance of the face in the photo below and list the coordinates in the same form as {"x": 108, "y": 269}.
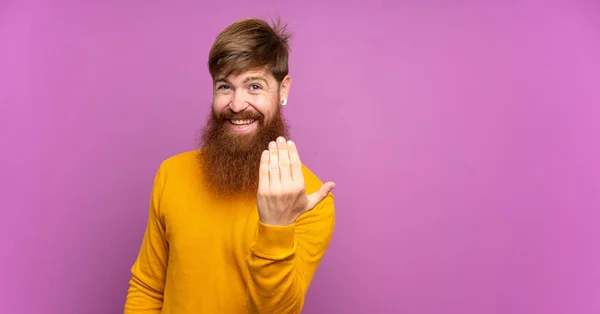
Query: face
{"x": 248, "y": 100}
{"x": 245, "y": 117}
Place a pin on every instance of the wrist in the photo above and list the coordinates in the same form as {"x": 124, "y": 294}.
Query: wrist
{"x": 275, "y": 221}
{"x": 274, "y": 242}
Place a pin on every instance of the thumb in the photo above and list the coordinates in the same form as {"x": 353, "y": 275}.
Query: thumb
{"x": 316, "y": 197}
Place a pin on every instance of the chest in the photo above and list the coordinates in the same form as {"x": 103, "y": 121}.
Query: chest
{"x": 210, "y": 233}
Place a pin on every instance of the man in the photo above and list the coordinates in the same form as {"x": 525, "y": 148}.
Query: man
{"x": 239, "y": 225}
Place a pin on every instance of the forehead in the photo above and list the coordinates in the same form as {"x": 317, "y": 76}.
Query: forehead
{"x": 250, "y": 75}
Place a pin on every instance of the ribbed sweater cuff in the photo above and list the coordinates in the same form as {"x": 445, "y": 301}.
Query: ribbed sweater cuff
{"x": 274, "y": 242}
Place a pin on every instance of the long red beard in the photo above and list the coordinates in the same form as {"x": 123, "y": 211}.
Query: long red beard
{"x": 230, "y": 162}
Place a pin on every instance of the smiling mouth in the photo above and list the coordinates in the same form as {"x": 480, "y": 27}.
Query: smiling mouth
{"x": 242, "y": 122}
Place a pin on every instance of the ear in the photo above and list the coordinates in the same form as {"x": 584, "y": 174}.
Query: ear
{"x": 284, "y": 90}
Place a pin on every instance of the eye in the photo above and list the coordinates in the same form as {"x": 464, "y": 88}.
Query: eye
{"x": 223, "y": 87}
{"x": 255, "y": 87}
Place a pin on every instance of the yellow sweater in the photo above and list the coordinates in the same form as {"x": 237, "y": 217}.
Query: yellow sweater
{"x": 203, "y": 255}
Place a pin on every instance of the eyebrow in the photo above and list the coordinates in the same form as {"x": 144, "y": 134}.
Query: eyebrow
{"x": 255, "y": 78}
{"x": 246, "y": 80}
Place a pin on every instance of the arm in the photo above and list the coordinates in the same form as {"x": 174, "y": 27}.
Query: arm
{"x": 283, "y": 260}
{"x": 294, "y": 231}
{"x": 145, "y": 294}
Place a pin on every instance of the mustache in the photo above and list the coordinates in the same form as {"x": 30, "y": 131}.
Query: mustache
{"x": 243, "y": 115}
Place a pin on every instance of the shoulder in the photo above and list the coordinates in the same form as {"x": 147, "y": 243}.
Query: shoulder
{"x": 311, "y": 180}
{"x": 183, "y": 161}
{"x": 313, "y": 183}
{"x": 176, "y": 174}
{"x": 179, "y": 166}
{"x": 320, "y": 220}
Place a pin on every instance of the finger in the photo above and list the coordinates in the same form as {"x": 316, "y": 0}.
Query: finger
{"x": 316, "y": 197}
{"x": 295, "y": 163}
{"x": 284, "y": 162}
{"x": 263, "y": 174}
{"x": 274, "y": 181}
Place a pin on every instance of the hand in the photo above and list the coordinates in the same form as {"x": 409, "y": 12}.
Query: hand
{"x": 281, "y": 196}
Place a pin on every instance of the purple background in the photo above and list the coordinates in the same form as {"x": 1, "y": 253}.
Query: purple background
{"x": 463, "y": 136}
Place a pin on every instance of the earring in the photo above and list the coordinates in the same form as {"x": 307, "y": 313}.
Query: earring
{"x": 283, "y": 101}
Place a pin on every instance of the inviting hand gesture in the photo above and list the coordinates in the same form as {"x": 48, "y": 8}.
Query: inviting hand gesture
{"x": 281, "y": 191}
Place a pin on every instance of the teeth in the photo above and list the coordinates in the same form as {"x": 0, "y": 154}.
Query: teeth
{"x": 241, "y": 122}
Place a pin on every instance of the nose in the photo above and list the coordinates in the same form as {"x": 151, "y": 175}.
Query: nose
{"x": 238, "y": 102}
